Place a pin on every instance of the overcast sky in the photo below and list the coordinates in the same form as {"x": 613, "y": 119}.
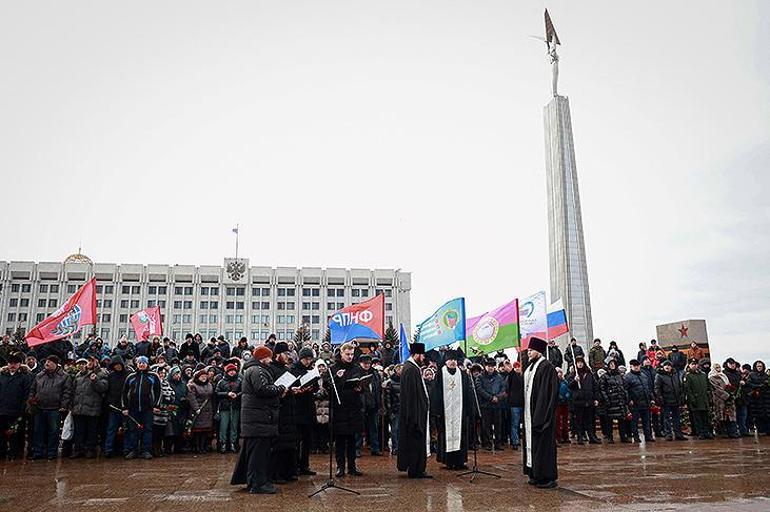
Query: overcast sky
{"x": 402, "y": 134}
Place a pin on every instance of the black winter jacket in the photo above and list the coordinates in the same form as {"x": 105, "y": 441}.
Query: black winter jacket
{"x": 585, "y": 393}
{"x": 668, "y": 389}
{"x": 639, "y": 390}
{"x": 613, "y": 393}
{"x": 14, "y": 390}
{"x": 51, "y": 390}
{"x": 260, "y": 402}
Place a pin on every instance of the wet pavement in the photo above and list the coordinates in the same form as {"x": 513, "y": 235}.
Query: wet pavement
{"x": 676, "y": 476}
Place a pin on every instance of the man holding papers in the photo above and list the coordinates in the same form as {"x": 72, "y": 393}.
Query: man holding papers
{"x": 347, "y": 409}
{"x": 305, "y": 407}
{"x": 284, "y": 453}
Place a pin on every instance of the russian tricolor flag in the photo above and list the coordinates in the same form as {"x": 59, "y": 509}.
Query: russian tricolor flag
{"x": 557, "y": 320}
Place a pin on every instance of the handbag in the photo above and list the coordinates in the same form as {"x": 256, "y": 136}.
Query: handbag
{"x": 68, "y": 429}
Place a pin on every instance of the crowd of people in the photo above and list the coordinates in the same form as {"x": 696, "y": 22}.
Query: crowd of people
{"x": 153, "y": 398}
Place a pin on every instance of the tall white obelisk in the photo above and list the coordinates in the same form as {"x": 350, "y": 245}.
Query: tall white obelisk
{"x": 569, "y": 272}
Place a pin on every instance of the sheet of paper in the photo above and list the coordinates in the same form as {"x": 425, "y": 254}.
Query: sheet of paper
{"x": 286, "y": 380}
{"x": 309, "y": 376}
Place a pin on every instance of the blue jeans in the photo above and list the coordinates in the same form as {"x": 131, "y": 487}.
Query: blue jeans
{"x": 515, "y": 424}
{"x": 742, "y": 414}
{"x": 114, "y": 421}
{"x": 46, "y": 437}
{"x": 644, "y": 414}
{"x": 228, "y": 427}
{"x": 372, "y": 432}
{"x": 394, "y": 432}
{"x": 132, "y": 439}
{"x": 671, "y": 420}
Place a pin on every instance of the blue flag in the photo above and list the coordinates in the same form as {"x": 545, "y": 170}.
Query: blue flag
{"x": 403, "y": 345}
{"x": 445, "y": 326}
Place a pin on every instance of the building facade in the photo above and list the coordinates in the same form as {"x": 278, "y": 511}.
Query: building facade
{"x": 568, "y": 268}
{"x": 234, "y": 300}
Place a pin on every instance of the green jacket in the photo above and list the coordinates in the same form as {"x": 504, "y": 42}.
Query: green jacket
{"x": 596, "y": 357}
{"x": 696, "y": 389}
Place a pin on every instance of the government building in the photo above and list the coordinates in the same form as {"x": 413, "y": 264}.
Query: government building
{"x": 234, "y": 299}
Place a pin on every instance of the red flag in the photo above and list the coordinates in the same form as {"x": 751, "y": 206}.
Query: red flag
{"x": 363, "y": 320}
{"x": 147, "y": 323}
{"x": 78, "y": 311}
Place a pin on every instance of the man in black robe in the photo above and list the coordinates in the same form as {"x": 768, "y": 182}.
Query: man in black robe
{"x": 541, "y": 396}
{"x": 453, "y": 407}
{"x": 413, "y": 434}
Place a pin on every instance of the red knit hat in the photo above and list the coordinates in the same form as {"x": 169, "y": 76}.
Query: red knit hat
{"x": 262, "y": 352}
{"x": 229, "y": 367}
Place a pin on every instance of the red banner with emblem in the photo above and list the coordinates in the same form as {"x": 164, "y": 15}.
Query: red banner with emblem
{"x": 78, "y": 311}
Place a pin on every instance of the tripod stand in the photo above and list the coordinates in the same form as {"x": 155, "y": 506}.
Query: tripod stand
{"x": 331, "y": 483}
{"x": 475, "y": 469}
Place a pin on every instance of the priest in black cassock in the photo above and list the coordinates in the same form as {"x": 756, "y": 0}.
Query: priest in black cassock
{"x": 413, "y": 432}
{"x": 451, "y": 403}
{"x": 541, "y": 396}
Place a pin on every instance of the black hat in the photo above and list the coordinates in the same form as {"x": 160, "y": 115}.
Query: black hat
{"x": 53, "y": 359}
{"x": 692, "y": 360}
{"x": 633, "y": 362}
{"x": 280, "y": 348}
{"x": 15, "y": 357}
{"x": 674, "y": 349}
{"x": 365, "y": 357}
{"x": 666, "y": 363}
{"x": 489, "y": 362}
{"x": 538, "y": 345}
{"x": 580, "y": 357}
{"x": 746, "y": 366}
{"x": 417, "y": 348}
{"x": 729, "y": 360}
{"x": 305, "y": 352}
{"x": 188, "y": 336}
{"x": 221, "y": 337}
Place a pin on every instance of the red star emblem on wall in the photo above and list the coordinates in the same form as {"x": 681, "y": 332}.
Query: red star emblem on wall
{"x": 683, "y": 331}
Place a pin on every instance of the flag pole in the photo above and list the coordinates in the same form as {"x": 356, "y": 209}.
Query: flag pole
{"x": 237, "y": 234}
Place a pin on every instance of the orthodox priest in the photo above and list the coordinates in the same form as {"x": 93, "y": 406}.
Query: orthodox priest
{"x": 541, "y": 396}
{"x": 451, "y": 403}
{"x": 413, "y": 433}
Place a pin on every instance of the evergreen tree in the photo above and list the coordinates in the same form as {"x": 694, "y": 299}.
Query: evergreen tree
{"x": 302, "y": 335}
{"x": 391, "y": 335}
{"x": 327, "y": 336}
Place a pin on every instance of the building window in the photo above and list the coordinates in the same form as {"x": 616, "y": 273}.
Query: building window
{"x": 54, "y": 288}
{"x": 316, "y": 306}
{"x": 266, "y": 292}
{"x": 22, "y": 317}
{"x": 124, "y": 303}
{"x": 282, "y": 292}
{"x": 14, "y": 302}
{"x": 40, "y": 317}
{"x": 230, "y": 304}
{"x": 11, "y": 317}
{"x": 239, "y": 319}
{"x": 24, "y": 303}
{"x": 355, "y": 292}
{"x": 188, "y": 290}
{"x": 187, "y": 318}
{"x": 177, "y": 304}
{"x": 290, "y": 306}
{"x": 305, "y": 319}
{"x": 152, "y": 290}
{"x": 134, "y": 304}
{"x": 177, "y": 319}
{"x": 26, "y": 288}
{"x": 255, "y": 305}
{"x": 162, "y": 290}
{"x": 316, "y": 319}
{"x": 41, "y": 303}
{"x": 306, "y": 292}
{"x": 388, "y": 307}
{"x": 364, "y": 293}
{"x": 136, "y": 289}
{"x": 14, "y": 287}
{"x": 107, "y": 303}
{"x": 188, "y": 304}
{"x": 204, "y": 304}
{"x": 265, "y": 305}
{"x": 213, "y": 305}
{"x": 123, "y": 318}
{"x": 228, "y": 319}
{"x": 240, "y": 305}
{"x": 204, "y": 290}
{"x": 150, "y": 303}
{"x": 125, "y": 290}
{"x": 178, "y": 290}
{"x": 162, "y": 303}
{"x": 72, "y": 288}
{"x": 305, "y": 305}
{"x": 212, "y": 319}
{"x": 106, "y": 317}
{"x": 281, "y": 306}
{"x": 44, "y": 288}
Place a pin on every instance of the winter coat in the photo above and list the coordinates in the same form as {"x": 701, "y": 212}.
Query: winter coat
{"x": 639, "y": 390}
{"x": 115, "y": 381}
{"x": 613, "y": 393}
{"x": 387, "y": 356}
{"x": 568, "y": 352}
{"x": 393, "y": 394}
{"x": 564, "y": 393}
{"x": 304, "y": 402}
{"x": 554, "y": 356}
{"x": 166, "y": 399}
{"x": 239, "y": 350}
{"x": 696, "y": 390}
{"x": 143, "y": 348}
{"x": 668, "y": 389}
{"x": 488, "y": 386}
{"x": 201, "y": 397}
{"x": 224, "y": 349}
{"x": 596, "y": 357}
{"x": 371, "y": 395}
{"x": 321, "y": 398}
{"x": 758, "y": 393}
{"x": 287, "y": 419}
{"x": 189, "y": 348}
{"x": 179, "y": 418}
{"x": 696, "y": 353}
{"x": 619, "y": 356}
{"x": 721, "y": 399}
{"x": 51, "y": 390}
{"x": 586, "y": 392}
{"x": 124, "y": 352}
{"x": 141, "y": 391}
{"x": 229, "y": 385}
{"x": 678, "y": 359}
{"x": 88, "y": 394}
{"x": 734, "y": 376}
{"x": 260, "y": 401}
{"x": 515, "y": 388}
{"x": 14, "y": 390}
{"x": 348, "y": 417}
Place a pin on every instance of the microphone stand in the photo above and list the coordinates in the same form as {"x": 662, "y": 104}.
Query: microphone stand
{"x": 475, "y": 469}
{"x": 331, "y": 483}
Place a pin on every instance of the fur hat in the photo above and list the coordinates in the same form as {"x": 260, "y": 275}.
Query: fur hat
{"x": 306, "y": 352}
{"x": 538, "y": 345}
{"x": 280, "y": 348}
{"x": 262, "y": 352}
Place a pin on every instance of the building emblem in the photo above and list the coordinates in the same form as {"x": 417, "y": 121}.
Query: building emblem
{"x": 236, "y": 269}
